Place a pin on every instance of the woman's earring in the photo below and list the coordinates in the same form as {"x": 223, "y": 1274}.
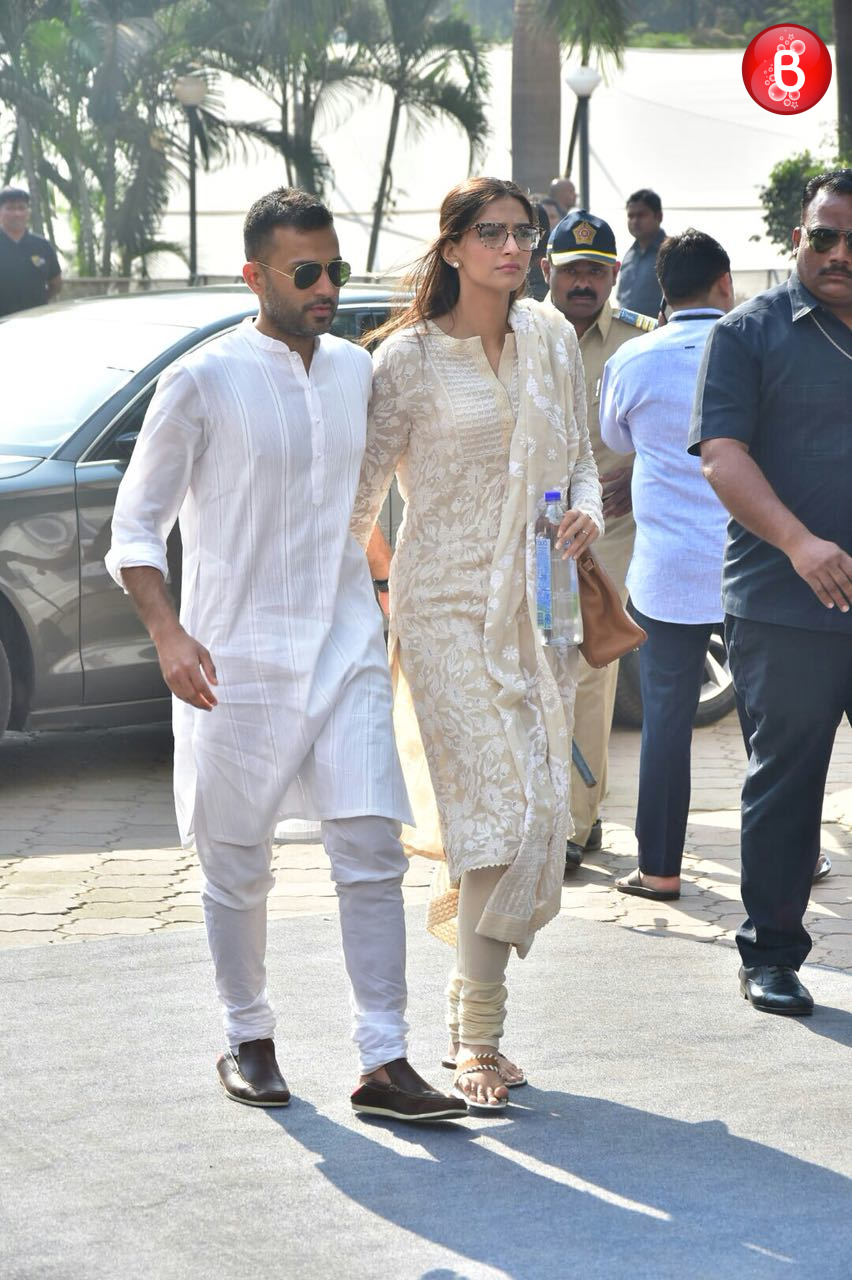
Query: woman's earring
{"x": 454, "y": 264}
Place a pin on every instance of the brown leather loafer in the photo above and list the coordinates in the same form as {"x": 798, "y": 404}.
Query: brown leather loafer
{"x": 407, "y": 1097}
{"x": 251, "y": 1075}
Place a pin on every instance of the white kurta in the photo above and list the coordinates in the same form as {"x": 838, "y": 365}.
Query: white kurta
{"x": 261, "y": 461}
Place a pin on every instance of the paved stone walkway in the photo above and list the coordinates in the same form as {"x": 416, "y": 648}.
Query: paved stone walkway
{"x": 88, "y": 846}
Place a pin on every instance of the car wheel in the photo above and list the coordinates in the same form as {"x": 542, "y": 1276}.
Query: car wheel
{"x": 5, "y": 690}
{"x": 717, "y": 690}
{"x": 717, "y": 696}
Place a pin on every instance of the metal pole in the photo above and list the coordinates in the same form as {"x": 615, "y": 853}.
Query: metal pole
{"x": 583, "y": 104}
{"x": 193, "y": 230}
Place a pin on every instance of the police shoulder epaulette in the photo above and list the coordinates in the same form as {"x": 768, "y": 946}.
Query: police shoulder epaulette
{"x": 645, "y": 323}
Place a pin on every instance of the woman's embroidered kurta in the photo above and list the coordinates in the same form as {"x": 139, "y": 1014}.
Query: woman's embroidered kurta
{"x": 473, "y": 453}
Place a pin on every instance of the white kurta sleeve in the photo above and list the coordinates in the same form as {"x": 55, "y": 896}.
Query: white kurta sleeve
{"x": 388, "y": 428}
{"x": 157, "y": 478}
{"x": 585, "y": 485}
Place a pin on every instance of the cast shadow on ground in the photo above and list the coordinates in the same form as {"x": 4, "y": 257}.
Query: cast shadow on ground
{"x": 716, "y": 900}
{"x": 575, "y": 1185}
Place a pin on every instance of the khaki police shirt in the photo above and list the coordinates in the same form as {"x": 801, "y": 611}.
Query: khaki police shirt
{"x": 610, "y": 330}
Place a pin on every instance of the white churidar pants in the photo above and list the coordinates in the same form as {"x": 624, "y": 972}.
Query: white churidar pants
{"x": 367, "y": 866}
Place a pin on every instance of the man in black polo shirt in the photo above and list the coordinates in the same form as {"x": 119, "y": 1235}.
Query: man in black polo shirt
{"x": 29, "y": 268}
{"x": 773, "y": 424}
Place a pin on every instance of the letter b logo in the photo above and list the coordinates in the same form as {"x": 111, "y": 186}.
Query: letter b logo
{"x": 786, "y": 69}
{"x": 782, "y": 67}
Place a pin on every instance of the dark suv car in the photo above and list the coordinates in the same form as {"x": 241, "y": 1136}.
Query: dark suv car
{"x": 77, "y": 379}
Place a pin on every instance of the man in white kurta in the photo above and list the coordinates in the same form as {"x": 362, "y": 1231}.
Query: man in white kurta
{"x": 278, "y": 663}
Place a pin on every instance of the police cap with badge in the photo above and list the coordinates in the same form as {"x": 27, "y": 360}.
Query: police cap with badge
{"x": 581, "y": 236}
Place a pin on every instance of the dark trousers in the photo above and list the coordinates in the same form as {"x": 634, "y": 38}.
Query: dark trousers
{"x": 671, "y": 671}
{"x": 794, "y": 686}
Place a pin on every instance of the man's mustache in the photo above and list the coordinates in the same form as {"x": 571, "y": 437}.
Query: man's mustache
{"x": 836, "y": 271}
{"x": 583, "y": 293}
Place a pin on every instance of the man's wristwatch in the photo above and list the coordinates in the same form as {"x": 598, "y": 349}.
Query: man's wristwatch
{"x": 381, "y": 584}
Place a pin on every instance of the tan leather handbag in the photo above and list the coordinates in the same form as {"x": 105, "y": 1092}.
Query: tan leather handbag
{"x": 608, "y": 629}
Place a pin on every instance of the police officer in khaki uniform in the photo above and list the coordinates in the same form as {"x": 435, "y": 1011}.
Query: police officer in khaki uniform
{"x": 581, "y": 268}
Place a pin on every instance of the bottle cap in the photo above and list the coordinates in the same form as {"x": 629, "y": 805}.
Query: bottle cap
{"x": 553, "y": 495}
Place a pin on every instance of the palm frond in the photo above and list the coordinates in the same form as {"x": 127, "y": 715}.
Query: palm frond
{"x": 598, "y": 26}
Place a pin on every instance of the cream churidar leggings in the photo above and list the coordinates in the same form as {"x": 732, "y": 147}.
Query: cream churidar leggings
{"x": 476, "y": 994}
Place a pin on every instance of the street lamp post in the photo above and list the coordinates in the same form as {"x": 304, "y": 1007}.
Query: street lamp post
{"x": 190, "y": 91}
{"x": 583, "y": 80}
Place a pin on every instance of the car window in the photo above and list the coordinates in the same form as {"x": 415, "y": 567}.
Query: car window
{"x": 129, "y": 424}
{"x": 353, "y": 324}
{"x": 56, "y": 371}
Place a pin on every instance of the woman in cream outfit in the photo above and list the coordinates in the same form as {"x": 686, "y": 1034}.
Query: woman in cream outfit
{"x": 478, "y": 406}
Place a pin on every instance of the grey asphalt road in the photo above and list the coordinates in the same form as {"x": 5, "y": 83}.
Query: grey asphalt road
{"x": 668, "y": 1130}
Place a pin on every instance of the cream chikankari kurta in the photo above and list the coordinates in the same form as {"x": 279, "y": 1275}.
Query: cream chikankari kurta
{"x": 473, "y": 453}
{"x": 261, "y": 459}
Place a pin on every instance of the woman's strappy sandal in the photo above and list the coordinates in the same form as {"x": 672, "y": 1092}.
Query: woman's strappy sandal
{"x": 470, "y": 1066}
{"x": 450, "y": 1065}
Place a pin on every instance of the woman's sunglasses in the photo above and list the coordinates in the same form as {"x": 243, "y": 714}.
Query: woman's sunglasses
{"x": 821, "y": 239}
{"x": 307, "y": 273}
{"x": 495, "y": 234}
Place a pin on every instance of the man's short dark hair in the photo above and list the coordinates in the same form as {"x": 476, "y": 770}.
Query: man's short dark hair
{"x": 689, "y": 265}
{"x": 837, "y": 181}
{"x": 283, "y": 207}
{"x": 646, "y": 196}
{"x": 14, "y": 193}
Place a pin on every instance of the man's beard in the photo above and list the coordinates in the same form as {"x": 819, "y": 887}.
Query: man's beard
{"x": 297, "y": 321}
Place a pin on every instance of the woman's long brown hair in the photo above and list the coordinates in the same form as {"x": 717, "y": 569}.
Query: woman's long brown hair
{"x": 432, "y": 281}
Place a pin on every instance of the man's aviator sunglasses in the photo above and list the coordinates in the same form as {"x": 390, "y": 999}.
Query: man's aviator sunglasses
{"x": 307, "y": 273}
{"x": 495, "y": 234}
{"x": 821, "y": 239}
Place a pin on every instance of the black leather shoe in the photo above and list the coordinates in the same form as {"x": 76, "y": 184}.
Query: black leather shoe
{"x": 574, "y": 852}
{"x": 775, "y": 988}
{"x": 407, "y": 1097}
{"x": 573, "y": 855}
{"x": 594, "y": 844}
{"x": 251, "y": 1075}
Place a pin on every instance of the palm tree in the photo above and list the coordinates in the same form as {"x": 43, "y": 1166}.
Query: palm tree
{"x": 287, "y": 50}
{"x": 433, "y": 68}
{"x": 22, "y": 92}
{"x": 90, "y": 82}
{"x": 595, "y": 27}
{"x": 536, "y": 96}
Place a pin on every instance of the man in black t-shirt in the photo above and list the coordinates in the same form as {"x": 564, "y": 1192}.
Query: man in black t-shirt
{"x": 773, "y": 424}
{"x": 29, "y": 268}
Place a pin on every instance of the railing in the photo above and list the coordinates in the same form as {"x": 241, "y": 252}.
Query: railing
{"x": 746, "y": 283}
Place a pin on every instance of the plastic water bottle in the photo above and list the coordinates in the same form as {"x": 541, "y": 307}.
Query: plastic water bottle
{"x": 558, "y": 616}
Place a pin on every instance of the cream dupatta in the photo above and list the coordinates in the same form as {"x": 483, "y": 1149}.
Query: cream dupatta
{"x": 549, "y": 449}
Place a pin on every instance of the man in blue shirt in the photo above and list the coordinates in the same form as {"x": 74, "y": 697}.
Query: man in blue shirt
{"x": 675, "y": 573}
{"x": 773, "y": 424}
{"x": 638, "y": 287}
